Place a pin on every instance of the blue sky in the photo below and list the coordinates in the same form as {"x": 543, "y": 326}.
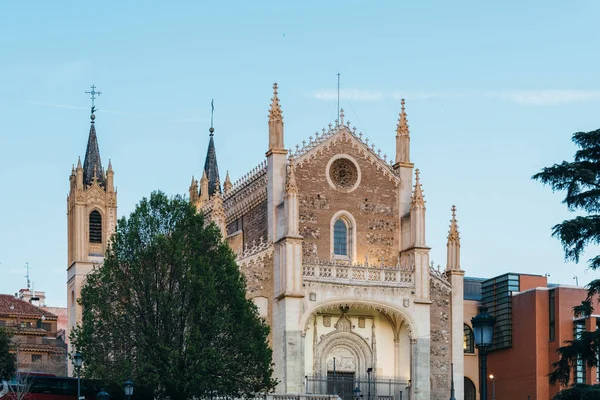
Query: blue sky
{"x": 494, "y": 92}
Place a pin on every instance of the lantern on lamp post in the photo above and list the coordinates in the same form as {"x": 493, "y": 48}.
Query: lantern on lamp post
{"x": 483, "y": 330}
{"x": 128, "y": 388}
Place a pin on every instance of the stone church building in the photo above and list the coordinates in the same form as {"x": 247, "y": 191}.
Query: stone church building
{"x": 331, "y": 239}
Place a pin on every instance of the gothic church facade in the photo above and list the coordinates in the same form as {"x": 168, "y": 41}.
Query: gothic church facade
{"x": 331, "y": 239}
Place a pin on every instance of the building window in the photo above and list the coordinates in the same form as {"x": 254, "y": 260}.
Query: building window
{"x": 552, "y": 316}
{"x": 95, "y": 227}
{"x": 36, "y": 358}
{"x": 340, "y": 238}
{"x": 468, "y": 340}
{"x": 578, "y": 329}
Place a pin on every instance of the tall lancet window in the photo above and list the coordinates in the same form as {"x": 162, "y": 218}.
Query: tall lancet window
{"x": 95, "y": 227}
{"x": 340, "y": 238}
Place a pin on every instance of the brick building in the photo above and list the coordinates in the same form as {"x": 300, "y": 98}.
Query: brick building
{"x": 38, "y": 344}
{"x": 534, "y": 318}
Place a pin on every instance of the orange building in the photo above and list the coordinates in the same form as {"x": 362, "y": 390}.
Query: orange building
{"x": 533, "y": 319}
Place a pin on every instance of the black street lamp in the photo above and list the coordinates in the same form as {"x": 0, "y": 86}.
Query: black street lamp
{"x": 78, "y": 362}
{"x": 483, "y": 329}
{"x": 102, "y": 395}
{"x": 128, "y": 388}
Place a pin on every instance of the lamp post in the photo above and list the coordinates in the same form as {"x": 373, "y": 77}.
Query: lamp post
{"x": 369, "y": 370}
{"x": 78, "y": 362}
{"x": 102, "y": 395}
{"x": 483, "y": 329}
{"x": 493, "y": 378}
{"x": 452, "y": 382}
{"x": 128, "y": 388}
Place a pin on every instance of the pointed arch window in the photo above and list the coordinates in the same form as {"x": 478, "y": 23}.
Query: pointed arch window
{"x": 95, "y": 227}
{"x": 342, "y": 231}
{"x": 340, "y": 238}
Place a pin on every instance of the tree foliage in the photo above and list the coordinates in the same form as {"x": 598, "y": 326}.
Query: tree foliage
{"x": 7, "y": 358}
{"x": 579, "y": 392}
{"x": 580, "y": 180}
{"x": 168, "y": 309}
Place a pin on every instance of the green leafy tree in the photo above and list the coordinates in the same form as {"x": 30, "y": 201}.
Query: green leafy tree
{"x": 580, "y": 180}
{"x": 168, "y": 309}
{"x": 7, "y": 358}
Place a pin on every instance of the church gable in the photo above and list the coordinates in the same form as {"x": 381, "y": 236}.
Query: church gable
{"x": 341, "y": 178}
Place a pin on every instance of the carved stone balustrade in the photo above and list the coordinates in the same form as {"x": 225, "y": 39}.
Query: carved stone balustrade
{"x": 360, "y": 275}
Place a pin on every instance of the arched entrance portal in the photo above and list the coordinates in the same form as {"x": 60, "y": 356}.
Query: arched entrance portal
{"x": 357, "y": 345}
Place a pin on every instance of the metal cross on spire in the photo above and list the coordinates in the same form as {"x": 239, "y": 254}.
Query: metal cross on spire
{"x": 93, "y": 96}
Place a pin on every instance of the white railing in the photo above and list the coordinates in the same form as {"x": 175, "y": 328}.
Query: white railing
{"x": 357, "y": 275}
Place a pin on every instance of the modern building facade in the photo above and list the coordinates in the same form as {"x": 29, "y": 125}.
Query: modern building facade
{"x": 534, "y": 318}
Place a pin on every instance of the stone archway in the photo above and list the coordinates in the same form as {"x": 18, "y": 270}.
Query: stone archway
{"x": 352, "y": 352}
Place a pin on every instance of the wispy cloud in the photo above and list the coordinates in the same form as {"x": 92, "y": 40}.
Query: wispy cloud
{"x": 521, "y": 97}
{"x": 38, "y": 103}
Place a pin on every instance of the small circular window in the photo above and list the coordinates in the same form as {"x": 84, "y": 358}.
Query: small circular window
{"x": 343, "y": 174}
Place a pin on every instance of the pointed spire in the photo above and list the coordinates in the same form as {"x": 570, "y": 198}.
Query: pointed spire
{"x": 211, "y": 168}
{"x": 402, "y": 138}
{"x": 275, "y": 123}
{"x": 453, "y": 234}
{"x": 418, "y": 199}
{"x": 291, "y": 187}
{"x": 78, "y": 162}
{"x": 453, "y": 246}
{"x": 275, "y": 113}
{"x": 227, "y": 185}
{"x": 402, "y": 127}
{"x": 109, "y": 165}
{"x": 204, "y": 187}
{"x": 92, "y": 165}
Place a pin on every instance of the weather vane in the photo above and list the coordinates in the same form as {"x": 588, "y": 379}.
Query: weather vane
{"x": 212, "y": 111}
{"x": 93, "y": 93}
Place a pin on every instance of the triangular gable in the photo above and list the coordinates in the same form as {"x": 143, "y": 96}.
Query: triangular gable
{"x": 321, "y": 142}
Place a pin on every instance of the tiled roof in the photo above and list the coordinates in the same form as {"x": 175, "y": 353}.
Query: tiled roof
{"x": 21, "y": 307}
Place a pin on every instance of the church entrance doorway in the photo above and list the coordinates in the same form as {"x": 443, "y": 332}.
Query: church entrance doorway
{"x": 341, "y": 383}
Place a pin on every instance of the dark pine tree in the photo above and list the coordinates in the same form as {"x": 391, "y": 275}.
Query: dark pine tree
{"x": 580, "y": 180}
{"x": 168, "y": 309}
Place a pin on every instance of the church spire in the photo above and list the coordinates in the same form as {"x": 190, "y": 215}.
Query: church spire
{"x": 275, "y": 123}
{"x": 92, "y": 165}
{"x": 402, "y": 137}
{"x": 211, "y": 167}
{"x": 227, "y": 185}
{"x": 418, "y": 199}
{"x": 453, "y": 257}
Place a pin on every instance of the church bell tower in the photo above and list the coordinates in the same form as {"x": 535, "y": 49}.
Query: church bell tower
{"x": 91, "y": 218}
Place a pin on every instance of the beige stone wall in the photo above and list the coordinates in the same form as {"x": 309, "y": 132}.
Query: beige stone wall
{"x": 440, "y": 340}
{"x": 258, "y": 271}
{"x": 253, "y": 224}
{"x": 373, "y": 204}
